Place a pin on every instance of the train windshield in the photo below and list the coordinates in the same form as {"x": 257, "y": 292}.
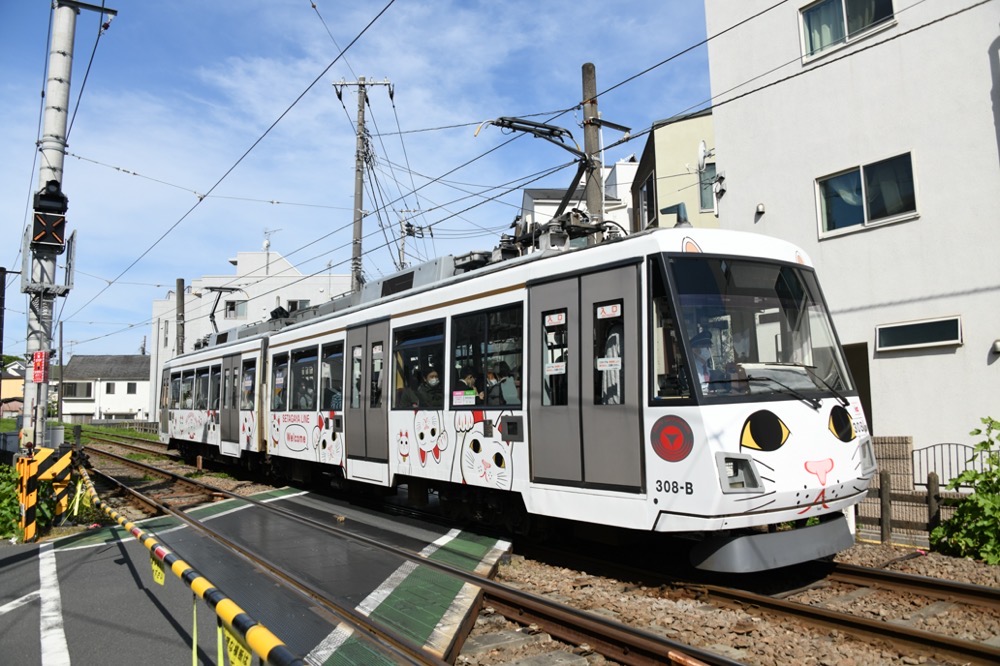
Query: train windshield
{"x": 752, "y": 327}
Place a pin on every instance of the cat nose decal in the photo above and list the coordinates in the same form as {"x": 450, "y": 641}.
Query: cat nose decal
{"x": 820, "y": 468}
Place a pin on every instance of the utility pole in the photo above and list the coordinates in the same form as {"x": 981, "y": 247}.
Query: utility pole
{"x": 180, "y": 316}
{"x": 45, "y": 238}
{"x": 592, "y": 147}
{"x": 360, "y": 155}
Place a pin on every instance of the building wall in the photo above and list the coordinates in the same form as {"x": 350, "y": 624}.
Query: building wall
{"x": 932, "y": 93}
{"x": 671, "y": 157}
{"x": 102, "y": 405}
{"x": 266, "y": 280}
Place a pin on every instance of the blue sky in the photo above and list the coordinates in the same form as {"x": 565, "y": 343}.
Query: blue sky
{"x": 179, "y": 90}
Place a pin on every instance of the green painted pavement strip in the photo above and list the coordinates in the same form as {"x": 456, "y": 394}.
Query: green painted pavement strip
{"x": 358, "y": 651}
{"x": 465, "y": 552}
{"x": 418, "y": 603}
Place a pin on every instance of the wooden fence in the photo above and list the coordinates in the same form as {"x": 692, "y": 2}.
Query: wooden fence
{"x": 150, "y": 427}
{"x": 906, "y": 512}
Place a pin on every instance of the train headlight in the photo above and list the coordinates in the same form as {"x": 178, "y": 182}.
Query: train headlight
{"x": 867, "y": 456}
{"x": 737, "y": 473}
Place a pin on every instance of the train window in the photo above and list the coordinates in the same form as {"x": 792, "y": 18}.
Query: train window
{"x": 417, "y": 351}
{"x": 248, "y": 385}
{"x": 303, "y": 377}
{"x": 331, "y": 376}
{"x": 555, "y": 356}
{"x": 214, "y": 386}
{"x": 375, "y": 398}
{"x": 175, "y": 391}
{"x": 201, "y": 388}
{"x": 279, "y": 383}
{"x": 165, "y": 390}
{"x": 357, "y": 370}
{"x": 187, "y": 390}
{"x": 668, "y": 377}
{"x": 486, "y": 357}
{"x": 609, "y": 355}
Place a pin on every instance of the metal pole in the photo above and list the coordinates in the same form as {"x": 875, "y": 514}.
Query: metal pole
{"x": 40, "y": 284}
{"x": 180, "y": 316}
{"x": 59, "y": 411}
{"x": 592, "y": 147}
{"x": 3, "y": 308}
{"x": 359, "y": 165}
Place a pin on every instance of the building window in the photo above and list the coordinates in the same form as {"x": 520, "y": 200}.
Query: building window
{"x": 166, "y": 332}
{"x": 876, "y": 192}
{"x": 917, "y": 334}
{"x": 236, "y": 309}
{"x": 78, "y": 390}
{"x": 109, "y": 388}
{"x": 832, "y": 22}
{"x": 130, "y": 388}
{"x": 300, "y": 304}
{"x": 649, "y": 201}
{"x": 707, "y": 192}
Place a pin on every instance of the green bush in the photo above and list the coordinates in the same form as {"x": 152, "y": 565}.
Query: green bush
{"x": 974, "y": 530}
{"x": 10, "y": 510}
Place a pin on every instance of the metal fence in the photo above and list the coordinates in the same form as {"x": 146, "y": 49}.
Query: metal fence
{"x": 150, "y": 427}
{"x": 948, "y": 461}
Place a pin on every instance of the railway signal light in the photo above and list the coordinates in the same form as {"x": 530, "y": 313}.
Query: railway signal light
{"x": 49, "y": 222}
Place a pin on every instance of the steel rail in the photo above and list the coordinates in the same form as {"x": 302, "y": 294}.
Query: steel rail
{"x": 977, "y": 595}
{"x": 974, "y": 652}
{"x": 399, "y": 647}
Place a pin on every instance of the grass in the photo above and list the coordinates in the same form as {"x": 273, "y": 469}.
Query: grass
{"x": 7, "y": 425}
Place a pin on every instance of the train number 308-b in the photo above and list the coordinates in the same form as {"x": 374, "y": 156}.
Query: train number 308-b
{"x": 674, "y": 487}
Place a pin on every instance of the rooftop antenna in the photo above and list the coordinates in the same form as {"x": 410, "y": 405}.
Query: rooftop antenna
{"x": 267, "y": 249}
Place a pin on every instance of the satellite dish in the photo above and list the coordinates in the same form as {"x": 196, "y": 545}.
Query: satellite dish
{"x": 703, "y": 154}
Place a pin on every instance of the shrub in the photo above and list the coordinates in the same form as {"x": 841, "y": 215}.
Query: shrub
{"x": 10, "y": 510}
{"x": 974, "y": 530}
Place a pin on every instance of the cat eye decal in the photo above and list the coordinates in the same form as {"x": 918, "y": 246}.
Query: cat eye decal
{"x": 764, "y": 431}
{"x": 499, "y": 461}
{"x": 840, "y": 424}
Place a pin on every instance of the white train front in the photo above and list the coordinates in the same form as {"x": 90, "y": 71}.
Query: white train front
{"x": 678, "y": 380}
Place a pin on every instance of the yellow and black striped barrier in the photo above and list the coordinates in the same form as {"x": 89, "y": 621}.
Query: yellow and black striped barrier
{"x": 253, "y": 635}
{"x": 41, "y": 465}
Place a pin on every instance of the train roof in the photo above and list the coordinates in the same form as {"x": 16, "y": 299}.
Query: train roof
{"x": 452, "y": 269}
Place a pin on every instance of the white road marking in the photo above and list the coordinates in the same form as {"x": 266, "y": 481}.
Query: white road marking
{"x": 55, "y": 651}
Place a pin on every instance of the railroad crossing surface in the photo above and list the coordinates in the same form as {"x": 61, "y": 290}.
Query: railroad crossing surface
{"x": 95, "y": 597}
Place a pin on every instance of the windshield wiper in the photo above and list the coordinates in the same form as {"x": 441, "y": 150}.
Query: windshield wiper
{"x": 812, "y": 402}
{"x": 816, "y": 378}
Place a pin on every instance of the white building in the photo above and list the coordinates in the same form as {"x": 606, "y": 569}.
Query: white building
{"x": 105, "y": 387}
{"x": 264, "y": 281}
{"x": 538, "y": 205}
{"x": 872, "y": 142}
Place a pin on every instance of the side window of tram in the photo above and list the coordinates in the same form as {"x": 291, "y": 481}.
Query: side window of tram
{"x": 175, "y": 391}
{"x": 357, "y": 370}
{"x": 486, "y": 355}
{"x": 279, "y": 383}
{"x": 187, "y": 390}
{"x": 555, "y": 356}
{"x": 609, "y": 355}
{"x": 378, "y": 363}
{"x": 303, "y": 375}
{"x": 214, "y": 386}
{"x": 331, "y": 379}
{"x": 668, "y": 379}
{"x": 201, "y": 388}
{"x": 417, "y": 351}
{"x": 248, "y": 385}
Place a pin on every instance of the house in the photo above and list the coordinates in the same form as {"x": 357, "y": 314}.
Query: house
{"x": 539, "y": 205}
{"x": 668, "y": 174}
{"x": 867, "y": 133}
{"x": 105, "y": 387}
{"x": 263, "y": 282}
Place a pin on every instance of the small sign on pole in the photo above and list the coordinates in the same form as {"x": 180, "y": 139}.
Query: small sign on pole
{"x": 40, "y": 367}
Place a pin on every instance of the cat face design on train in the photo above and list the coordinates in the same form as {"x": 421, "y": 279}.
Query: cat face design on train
{"x": 274, "y": 437}
{"x": 486, "y": 460}
{"x": 329, "y": 445}
{"x": 248, "y": 428}
{"x": 823, "y": 478}
{"x": 431, "y": 438}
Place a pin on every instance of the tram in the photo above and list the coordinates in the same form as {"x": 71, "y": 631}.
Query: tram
{"x": 677, "y": 380}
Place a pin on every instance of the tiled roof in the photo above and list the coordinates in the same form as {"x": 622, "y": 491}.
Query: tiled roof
{"x": 135, "y": 367}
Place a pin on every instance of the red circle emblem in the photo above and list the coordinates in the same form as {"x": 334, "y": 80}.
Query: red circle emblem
{"x": 672, "y": 438}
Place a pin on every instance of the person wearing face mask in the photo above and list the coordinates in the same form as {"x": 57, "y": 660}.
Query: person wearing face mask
{"x": 494, "y": 393}
{"x": 431, "y": 392}
{"x": 701, "y": 347}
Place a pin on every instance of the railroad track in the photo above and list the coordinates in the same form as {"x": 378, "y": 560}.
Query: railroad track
{"x": 615, "y": 641}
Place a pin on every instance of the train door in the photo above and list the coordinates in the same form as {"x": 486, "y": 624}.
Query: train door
{"x": 584, "y": 373}
{"x": 165, "y": 405}
{"x": 229, "y": 410}
{"x": 366, "y": 407}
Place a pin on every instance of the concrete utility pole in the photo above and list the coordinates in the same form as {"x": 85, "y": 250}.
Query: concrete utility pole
{"x": 359, "y": 171}
{"x": 592, "y": 146}
{"x": 45, "y": 239}
{"x": 179, "y": 299}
